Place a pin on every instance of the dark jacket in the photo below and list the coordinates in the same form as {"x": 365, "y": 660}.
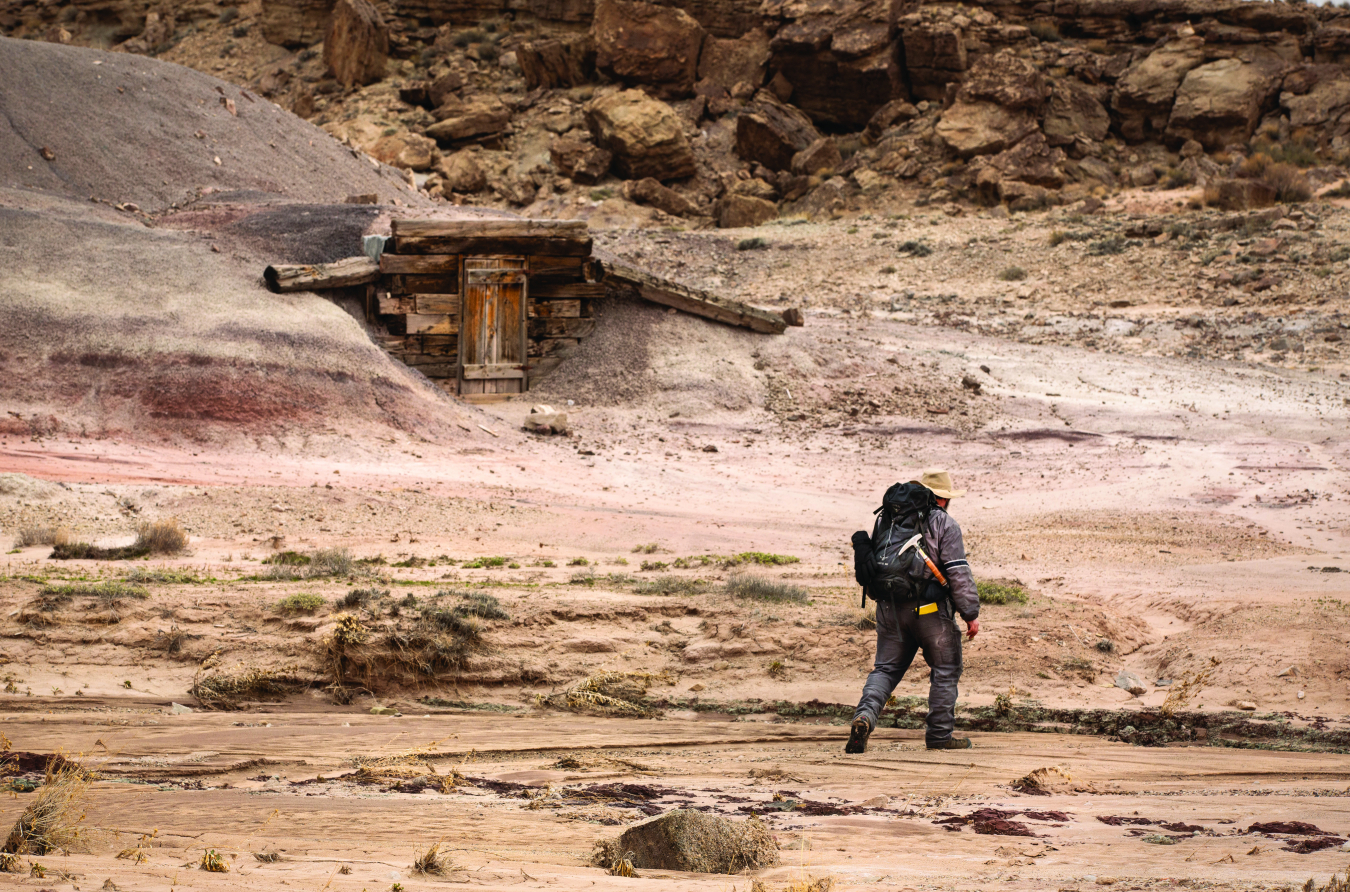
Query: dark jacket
{"x": 948, "y": 551}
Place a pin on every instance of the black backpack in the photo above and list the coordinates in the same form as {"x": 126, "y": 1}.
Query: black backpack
{"x": 884, "y": 572}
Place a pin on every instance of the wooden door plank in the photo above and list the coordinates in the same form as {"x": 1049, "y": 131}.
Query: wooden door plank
{"x": 394, "y": 306}
{"x": 548, "y": 290}
{"x": 438, "y": 324}
{"x": 419, "y": 264}
{"x": 555, "y": 309}
{"x": 443, "y": 284}
{"x": 496, "y": 276}
{"x": 484, "y": 372}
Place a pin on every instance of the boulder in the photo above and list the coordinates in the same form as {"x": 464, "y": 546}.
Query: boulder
{"x": 691, "y": 840}
{"x": 1033, "y": 160}
{"x": 725, "y": 63}
{"x": 443, "y": 89}
{"x": 1005, "y": 79}
{"x": 736, "y": 211}
{"x": 935, "y": 55}
{"x": 756, "y": 188}
{"x": 1074, "y": 111}
{"x": 1324, "y": 101}
{"x": 645, "y": 135}
{"x": 460, "y": 120}
{"x": 356, "y": 46}
{"x": 294, "y": 23}
{"x": 839, "y": 73}
{"x": 821, "y": 155}
{"x": 1098, "y": 170}
{"x": 650, "y": 192}
{"x": 1128, "y": 681}
{"x": 579, "y": 160}
{"x": 982, "y": 128}
{"x": 771, "y": 133}
{"x": 643, "y": 43}
{"x": 893, "y": 113}
{"x": 1145, "y": 91}
{"x": 462, "y": 173}
{"x": 1220, "y": 103}
{"x": 411, "y": 151}
{"x": 557, "y": 64}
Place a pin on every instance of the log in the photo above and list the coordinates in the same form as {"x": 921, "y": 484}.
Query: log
{"x": 440, "y": 345}
{"x": 563, "y": 267}
{"x": 420, "y": 264}
{"x": 550, "y": 246}
{"x": 431, "y": 304}
{"x": 568, "y": 229}
{"x": 692, "y": 300}
{"x": 439, "y": 324}
{"x": 547, "y": 290}
{"x": 283, "y": 278}
{"x": 447, "y": 284}
{"x": 561, "y": 328}
{"x": 395, "y": 306}
{"x": 556, "y": 309}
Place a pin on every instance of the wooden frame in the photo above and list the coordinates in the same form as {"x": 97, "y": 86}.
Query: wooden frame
{"x": 501, "y": 284}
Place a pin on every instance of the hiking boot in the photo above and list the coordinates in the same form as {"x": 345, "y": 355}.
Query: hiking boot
{"x": 857, "y": 735}
{"x": 951, "y": 743}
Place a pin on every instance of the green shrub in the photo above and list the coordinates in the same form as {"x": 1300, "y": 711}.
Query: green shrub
{"x": 997, "y": 592}
{"x": 759, "y": 588}
{"x": 479, "y": 604}
{"x": 914, "y": 248}
{"x": 300, "y": 602}
{"x": 358, "y": 596}
{"x": 141, "y": 575}
{"x": 765, "y": 558}
{"x": 649, "y": 548}
{"x": 481, "y": 562}
{"x": 330, "y": 562}
{"x": 1113, "y": 244}
{"x": 111, "y": 591}
{"x": 578, "y": 562}
{"x": 288, "y": 559}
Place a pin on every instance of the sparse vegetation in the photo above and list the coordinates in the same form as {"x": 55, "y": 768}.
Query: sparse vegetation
{"x": 482, "y": 562}
{"x": 752, "y": 244}
{"x": 623, "y": 866}
{"x": 432, "y": 862}
{"x": 288, "y": 559}
{"x": 358, "y": 596}
{"x": 1001, "y": 592}
{"x": 1112, "y": 244}
{"x": 671, "y": 585}
{"x": 609, "y": 693}
{"x": 914, "y": 248}
{"x": 479, "y": 604}
{"x": 759, "y": 588}
{"x": 152, "y": 537}
{"x": 300, "y": 602}
{"x": 31, "y": 535}
{"x": 776, "y": 669}
{"x": 648, "y": 548}
{"x": 110, "y": 591}
{"x": 53, "y": 820}
{"x": 213, "y": 862}
{"x": 227, "y": 691}
{"x": 169, "y": 575}
{"x": 578, "y": 562}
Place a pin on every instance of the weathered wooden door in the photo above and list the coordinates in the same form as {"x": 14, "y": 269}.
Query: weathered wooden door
{"x": 492, "y": 333}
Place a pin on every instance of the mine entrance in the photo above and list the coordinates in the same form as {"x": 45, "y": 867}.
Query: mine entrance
{"x": 492, "y": 338}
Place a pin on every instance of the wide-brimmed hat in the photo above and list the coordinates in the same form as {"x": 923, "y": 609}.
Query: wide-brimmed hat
{"x": 940, "y": 482}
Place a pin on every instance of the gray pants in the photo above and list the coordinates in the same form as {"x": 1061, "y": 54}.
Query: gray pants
{"x": 901, "y": 633}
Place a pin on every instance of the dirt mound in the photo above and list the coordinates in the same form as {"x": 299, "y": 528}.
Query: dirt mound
{"x": 115, "y": 328}
{"x": 123, "y": 128}
{"x": 690, "y": 840}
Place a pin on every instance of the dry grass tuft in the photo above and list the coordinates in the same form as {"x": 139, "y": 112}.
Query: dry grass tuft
{"x": 52, "y": 821}
{"x": 1042, "y": 781}
{"x": 137, "y": 853}
{"x": 611, "y": 693}
{"x": 37, "y": 534}
{"x": 213, "y": 862}
{"x": 623, "y": 866}
{"x": 437, "y": 644}
{"x": 1335, "y": 884}
{"x": 866, "y": 618}
{"x": 10, "y": 863}
{"x": 226, "y": 691}
{"x": 161, "y": 537}
{"x": 267, "y": 857}
{"x": 759, "y": 588}
{"x": 1190, "y": 685}
{"x": 432, "y": 862}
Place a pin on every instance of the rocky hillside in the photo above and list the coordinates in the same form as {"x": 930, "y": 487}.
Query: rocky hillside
{"x": 736, "y": 112}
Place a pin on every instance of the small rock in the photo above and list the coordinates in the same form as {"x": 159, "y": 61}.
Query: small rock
{"x": 1158, "y": 839}
{"x": 1288, "y": 670}
{"x": 720, "y": 665}
{"x": 969, "y": 382}
{"x": 1128, "y": 681}
{"x": 875, "y": 802}
{"x": 695, "y": 688}
{"x": 793, "y": 316}
{"x": 1106, "y": 881}
{"x": 179, "y": 709}
{"x": 383, "y": 710}
{"x": 710, "y": 448}
{"x": 1246, "y": 705}
{"x": 1301, "y": 695}
{"x": 47, "y": 154}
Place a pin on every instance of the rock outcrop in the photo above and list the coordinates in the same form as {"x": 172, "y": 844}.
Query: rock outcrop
{"x": 1145, "y": 92}
{"x": 770, "y": 133}
{"x": 643, "y": 43}
{"x": 645, "y": 134}
{"x": 557, "y": 63}
{"x": 356, "y": 46}
{"x": 295, "y": 23}
{"x": 1220, "y": 103}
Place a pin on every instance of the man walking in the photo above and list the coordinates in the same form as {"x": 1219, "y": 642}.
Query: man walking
{"x": 915, "y": 568}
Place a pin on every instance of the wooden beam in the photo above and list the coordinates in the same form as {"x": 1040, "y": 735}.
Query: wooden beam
{"x": 492, "y": 372}
{"x": 284, "y": 278}
{"x": 446, "y": 284}
{"x": 437, "y": 324}
{"x": 561, "y": 328}
{"x": 420, "y": 264}
{"x": 495, "y": 276}
{"x": 553, "y": 246}
{"x": 566, "y": 290}
{"x": 487, "y": 228}
{"x": 692, "y": 300}
{"x": 556, "y": 309}
{"x": 395, "y": 306}
{"x": 435, "y": 303}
